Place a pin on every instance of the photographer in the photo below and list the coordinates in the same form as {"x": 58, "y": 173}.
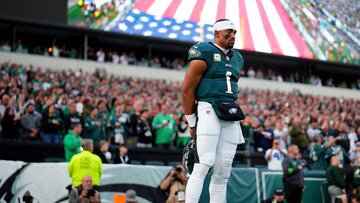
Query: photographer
{"x": 174, "y": 184}
{"x": 84, "y": 193}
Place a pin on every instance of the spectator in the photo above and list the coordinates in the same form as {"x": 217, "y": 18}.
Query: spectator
{"x": 104, "y": 153}
{"x": 51, "y": 125}
{"x": 131, "y": 196}
{"x": 94, "y": 128}
{"x": 336, "y": 179}
{"x": 19, "y": 47}
{"x": 312, "y": 131}
{"x": 264, "y": 137}
{"x": 72, "y": 141}
{"x": 317, "y": 154}
{"x": 124, "y": 58}
{"x": 355, "y": 145}
{"x": 10, "y": 124}
{"x": 30, "y": 123}
{"x": 174, "y": 184}
{"x": 298, "y": 136}
{"x": 100, "y": 55}
{"x": 183, "y": 132}
{"x": 5, "y": 47}
{"x": 72, "y": 117}
{"x": 164, "y": 124}
{"x": 84, "y": 193}
{"x": 122, "y": 157}
{"x": 275, "y": 156}
{"x": 116, "y": 125}
{"x": 143, "y": 129}
{"x": 335, "y": 149}
{"x": 356, "y": 180}
{"x": 293, "y": 175}
{"x": 281, "y": 133}
{"x": 85, "y": 163}
{"x": 115, "y": 58}
{"x": 4, "y": 103}
{"x": 278, "y": 197}
{"x": 134, "y": 119}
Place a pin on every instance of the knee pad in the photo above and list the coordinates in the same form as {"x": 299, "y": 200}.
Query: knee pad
{"x": 222, "y": 167}
{"x": 200, "y": 170}
{"x": 207, "y": 159}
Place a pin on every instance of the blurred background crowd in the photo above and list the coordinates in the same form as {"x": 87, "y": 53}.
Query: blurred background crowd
{"x": 43, "y": 105}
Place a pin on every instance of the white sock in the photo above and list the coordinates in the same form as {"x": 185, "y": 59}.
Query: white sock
{"x": 195, "y": 183}
{"x": 220, "y": 177}
{"x": 217, "y": 189}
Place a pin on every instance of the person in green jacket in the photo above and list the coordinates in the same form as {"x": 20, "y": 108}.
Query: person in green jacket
{"x": 336, "y": 179}
{"x": 165, "y": 128}
{"x": 72, "y": 141}
{"x": 317, "y": 154}
{"x": 85, "y": 163}
{"x": 94, "y": 127}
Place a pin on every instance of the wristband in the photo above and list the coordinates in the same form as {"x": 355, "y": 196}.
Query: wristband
{"x": 191, "y": 119}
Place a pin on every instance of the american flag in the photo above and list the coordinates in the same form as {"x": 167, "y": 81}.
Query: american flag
{"x": 263, "y": 25}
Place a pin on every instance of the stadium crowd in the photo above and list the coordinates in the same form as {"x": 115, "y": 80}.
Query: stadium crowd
{"x": 131, "y": 58}
{"x": 46, "y": 103}
{"x": 55, "y": 106}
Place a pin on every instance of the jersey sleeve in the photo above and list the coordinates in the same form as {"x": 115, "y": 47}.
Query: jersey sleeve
{"x": 199, "y": 51}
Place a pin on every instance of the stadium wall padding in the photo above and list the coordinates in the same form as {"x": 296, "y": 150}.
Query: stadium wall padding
{"x": 171, "y": 75}
{"x": 47, "y": 181}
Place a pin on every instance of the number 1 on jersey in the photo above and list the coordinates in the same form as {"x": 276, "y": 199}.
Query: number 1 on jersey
{"x": 228, "y": 84}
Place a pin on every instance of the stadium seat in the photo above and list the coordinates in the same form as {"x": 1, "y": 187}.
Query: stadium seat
{"x": 155, "y": 162}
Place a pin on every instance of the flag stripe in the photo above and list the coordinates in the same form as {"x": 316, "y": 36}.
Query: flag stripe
{"x": 232, "y": 13}
{"x": 198, "y": 9}
{"x": 261, "y": 42}
{"x": 208, "y": 14}
{"x": 293, "y": 32}
{"x": 221, "y": 10}
{"x": 170, "y": 11}
{"x": 159, "y": 7}
{"x": 143, "y": 5}
{"x": 184, "y": 10}
{"x": 282, "y": 36}
{"x": 275, "y": 48}
{"x": 247, "y": 39}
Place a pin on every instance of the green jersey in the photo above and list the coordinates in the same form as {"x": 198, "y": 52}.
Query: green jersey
{"x": 219, "y": 82}
{"x": 318, "y": 157}
{"x": 164, "y": 133}
{"x": 356, "y": 180}
{"x": 72, "y": 145}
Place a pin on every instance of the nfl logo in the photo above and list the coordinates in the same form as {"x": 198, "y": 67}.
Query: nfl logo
{"x": 208, "y": 112}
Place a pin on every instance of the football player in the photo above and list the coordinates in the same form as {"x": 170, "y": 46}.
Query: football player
{"x": 210, "y": 89}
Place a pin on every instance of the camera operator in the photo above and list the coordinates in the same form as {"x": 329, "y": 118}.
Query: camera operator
{"x": 174, "y": 184}
{"x": 84, "y": 193}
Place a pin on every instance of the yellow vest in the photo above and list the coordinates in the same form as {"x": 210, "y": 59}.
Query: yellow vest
{"x": 82, "y": 164}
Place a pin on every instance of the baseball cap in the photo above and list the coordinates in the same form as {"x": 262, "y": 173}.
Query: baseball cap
{"x": 278, "y": 191}
{"x": 131, "y": 196}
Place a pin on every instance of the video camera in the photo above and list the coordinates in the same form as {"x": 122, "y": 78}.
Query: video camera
{"x": 91, "y": 192}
